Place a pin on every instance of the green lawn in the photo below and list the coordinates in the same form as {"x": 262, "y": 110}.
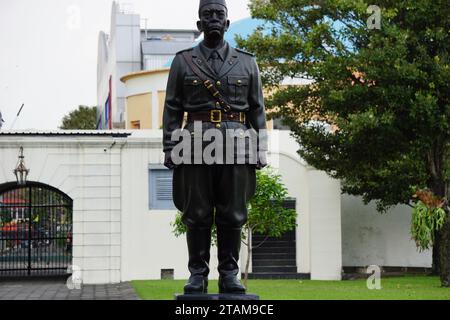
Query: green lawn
{"x": 402, "y": 288}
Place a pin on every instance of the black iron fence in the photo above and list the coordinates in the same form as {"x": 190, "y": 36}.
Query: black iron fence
{"x": 35, "y": 230}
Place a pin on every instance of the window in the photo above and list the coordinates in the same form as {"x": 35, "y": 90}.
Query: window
{"x": 135, "y": 125}
{"x": 160, "y": 188}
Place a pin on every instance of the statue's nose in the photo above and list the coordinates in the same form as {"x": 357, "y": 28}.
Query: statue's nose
{"x": 214, "y": 16}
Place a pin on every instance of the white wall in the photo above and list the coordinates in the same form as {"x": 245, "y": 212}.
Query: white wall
{"x": 81, "y": 168}
{"x": 369, "y": 237}
{"x": 318, "y": 207}
{"x": 117, "y": 237}
{"x": 325, "y": 226}
{"x": 294, "y": 172}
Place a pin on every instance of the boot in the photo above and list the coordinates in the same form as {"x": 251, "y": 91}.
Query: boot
{"x": 229, "y": 245}
{"x": 199, "y": 243}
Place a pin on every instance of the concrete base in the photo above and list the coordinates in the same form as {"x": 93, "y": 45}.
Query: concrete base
{"x": 225, "y": 296}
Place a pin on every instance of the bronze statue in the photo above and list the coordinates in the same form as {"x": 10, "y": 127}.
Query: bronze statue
{"x": 221, "y": 87}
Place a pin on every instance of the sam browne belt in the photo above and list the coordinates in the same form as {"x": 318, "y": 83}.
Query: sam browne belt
{"x": 216, "y": 116}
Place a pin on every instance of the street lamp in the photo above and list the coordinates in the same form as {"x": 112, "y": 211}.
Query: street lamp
{"x": 21, "y": 172}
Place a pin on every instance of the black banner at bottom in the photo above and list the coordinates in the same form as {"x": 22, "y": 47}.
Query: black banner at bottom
{"x": 183, "y": 310}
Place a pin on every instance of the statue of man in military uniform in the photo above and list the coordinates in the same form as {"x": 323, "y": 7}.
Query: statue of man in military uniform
{"x": 221, "y": 87}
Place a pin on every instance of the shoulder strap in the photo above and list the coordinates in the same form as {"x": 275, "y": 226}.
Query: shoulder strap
{"x": 244, "y": 52}
{"x": 206, "y": 82}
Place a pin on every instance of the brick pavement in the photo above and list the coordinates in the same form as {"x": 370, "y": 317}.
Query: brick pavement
{"x": 57, "y": 290}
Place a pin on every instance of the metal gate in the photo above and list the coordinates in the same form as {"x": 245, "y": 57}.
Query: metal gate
{"x": 275, "y": 257}
{"x": 35, "y": 230}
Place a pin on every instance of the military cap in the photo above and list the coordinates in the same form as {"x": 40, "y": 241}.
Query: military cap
{"x": 206, "y": 2}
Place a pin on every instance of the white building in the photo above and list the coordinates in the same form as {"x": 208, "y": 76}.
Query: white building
{"x": 122, "y": 231}
{"x": 129, "y": 48}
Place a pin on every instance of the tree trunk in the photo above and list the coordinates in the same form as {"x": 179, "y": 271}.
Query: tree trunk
{"x": 439, "y": 187}
{"x": 445, "y": 253}
{"x": 249, "y": 255}
{"x": 435, "y": 269}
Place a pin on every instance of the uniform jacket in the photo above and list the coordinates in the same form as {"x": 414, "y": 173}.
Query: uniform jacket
{"x": 238, "y": 81}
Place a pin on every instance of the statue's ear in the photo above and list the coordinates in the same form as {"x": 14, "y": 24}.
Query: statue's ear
{"x": 228, "y": 25}
{"x": 199, "y": 26}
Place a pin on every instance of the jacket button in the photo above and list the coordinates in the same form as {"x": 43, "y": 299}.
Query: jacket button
{"x": 218, "y": 126}
{"x": 217, "y": 104}
{"x": 239, "y": 82}
{"x": 219, "y": 83}
{"x": 195, "y": 82}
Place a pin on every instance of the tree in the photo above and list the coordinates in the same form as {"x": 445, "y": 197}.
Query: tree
{"x": 84, "y": 118}
{"x": 376, "y": 114}
{"x": 266, "y": 214}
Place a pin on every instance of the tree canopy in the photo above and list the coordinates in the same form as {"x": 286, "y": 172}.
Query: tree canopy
{"x": 83, "y": 118}
{"x": 376, "y": 114}
{"x": 385, "y": 92}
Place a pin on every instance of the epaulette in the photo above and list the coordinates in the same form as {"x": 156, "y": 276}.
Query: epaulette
{"x": 188, "y": 49}
{"x": 245, "y": 52}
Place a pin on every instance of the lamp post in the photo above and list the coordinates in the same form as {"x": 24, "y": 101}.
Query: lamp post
{"x": 21, "y": 172}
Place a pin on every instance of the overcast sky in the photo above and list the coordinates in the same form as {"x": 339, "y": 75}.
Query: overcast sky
{"x": 48, "y": 51}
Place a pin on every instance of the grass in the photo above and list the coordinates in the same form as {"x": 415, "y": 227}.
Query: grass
{"x": 397, "y": 288}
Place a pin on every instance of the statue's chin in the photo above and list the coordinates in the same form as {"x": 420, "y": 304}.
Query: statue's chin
{"x": 214, "y": 34}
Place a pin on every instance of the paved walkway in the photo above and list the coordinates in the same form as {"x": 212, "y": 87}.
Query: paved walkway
{"x": 57, "y": 290}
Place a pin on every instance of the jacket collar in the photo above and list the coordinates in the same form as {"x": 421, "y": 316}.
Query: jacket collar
{"x": 222, "y": 52}
{"x": 230, "y": 61}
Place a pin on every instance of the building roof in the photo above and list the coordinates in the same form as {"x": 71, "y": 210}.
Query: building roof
{"x": 67, "y": 133}
{"x": 138, "y": 74}
{"x": 196, "y": 33}
{"x": 164, "y": 47}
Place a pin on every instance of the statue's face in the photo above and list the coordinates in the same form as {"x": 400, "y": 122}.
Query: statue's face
{"x": 213, "y": 21}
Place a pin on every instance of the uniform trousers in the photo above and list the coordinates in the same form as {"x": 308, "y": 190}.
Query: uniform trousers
{"x": 216, "y": 193}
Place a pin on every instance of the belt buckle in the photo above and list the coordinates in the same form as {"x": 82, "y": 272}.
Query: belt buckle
{"x": 241, "y": 117}
{"x": 213, "y": 116}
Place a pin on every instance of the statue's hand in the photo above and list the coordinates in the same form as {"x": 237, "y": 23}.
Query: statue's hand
{"x": 262, "y": 160}
{"x": 168, "y": 161}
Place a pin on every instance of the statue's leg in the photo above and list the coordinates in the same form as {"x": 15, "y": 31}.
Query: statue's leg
{"x": 198, "y": 216}
{"x": 198, "y": 196}
{"x": 234, "y": 188}
{"x": 199, "y": 243}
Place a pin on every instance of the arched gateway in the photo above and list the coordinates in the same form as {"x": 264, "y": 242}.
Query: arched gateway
{"x": 35, "y": 230}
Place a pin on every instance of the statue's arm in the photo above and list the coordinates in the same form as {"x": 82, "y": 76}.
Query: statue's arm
{"x": 173, "y": 109}
{"x": 257, "y": 113}
{"x": 173, "y": 106}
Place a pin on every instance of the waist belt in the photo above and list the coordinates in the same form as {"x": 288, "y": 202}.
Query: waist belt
{"x": 216, "y": 116}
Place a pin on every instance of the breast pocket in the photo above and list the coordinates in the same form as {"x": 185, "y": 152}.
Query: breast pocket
{"x": 239, "y": 89}
{"x": 194, "y": 90}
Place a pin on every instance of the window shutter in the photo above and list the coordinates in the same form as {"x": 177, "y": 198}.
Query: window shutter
{"x": 160, "y": 189}
{"x": 163, "y": 189}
